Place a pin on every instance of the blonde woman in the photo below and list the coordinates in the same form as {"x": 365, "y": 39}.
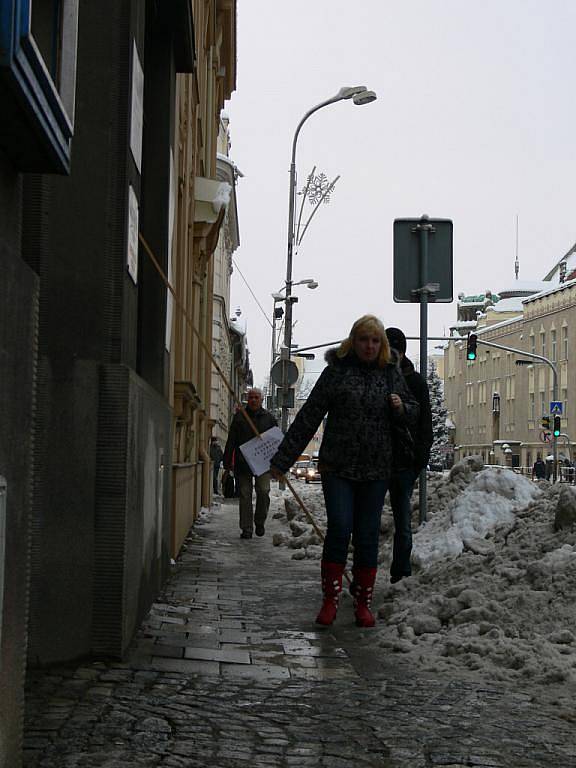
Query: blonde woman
{"x": 364, "y": 395}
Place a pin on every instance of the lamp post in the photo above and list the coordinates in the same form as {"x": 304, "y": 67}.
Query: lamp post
{"x": 541, "y": 360}
{"x": 278, "y": 314}
{"x": 360, "y": 95}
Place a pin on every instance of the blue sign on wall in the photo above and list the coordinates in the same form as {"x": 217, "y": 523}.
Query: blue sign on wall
{"x": 36, "y": 130}
{"x": 556, "y": 408}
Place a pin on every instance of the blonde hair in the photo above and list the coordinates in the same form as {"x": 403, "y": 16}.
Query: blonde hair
{"x": 367, "y": 324}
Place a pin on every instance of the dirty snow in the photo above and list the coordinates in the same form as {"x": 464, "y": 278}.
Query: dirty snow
{"x": 494, "y": 575}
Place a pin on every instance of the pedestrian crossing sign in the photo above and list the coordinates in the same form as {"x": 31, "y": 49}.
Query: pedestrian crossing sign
{"x": 556, "y": 408}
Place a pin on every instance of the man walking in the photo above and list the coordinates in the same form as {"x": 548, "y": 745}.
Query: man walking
{"x": 241, "y": 432}
{"x": 216, "y": 455}
{"x": 408, "y": 463}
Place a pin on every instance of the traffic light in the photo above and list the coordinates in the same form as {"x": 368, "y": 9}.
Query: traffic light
{"x": 557, "y": 425}
{"x": 471, "y": 346}
{"x": 545, "y": 422}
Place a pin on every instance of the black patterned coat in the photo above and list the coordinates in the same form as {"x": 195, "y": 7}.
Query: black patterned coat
{"x": 357, "y": 442}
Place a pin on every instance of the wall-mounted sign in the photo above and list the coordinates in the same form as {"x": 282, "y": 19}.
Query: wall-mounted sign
{"x": 137, "y": 110}
{"x": 132, "y": 251}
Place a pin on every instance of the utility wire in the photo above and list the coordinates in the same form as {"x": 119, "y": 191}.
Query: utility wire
{"x": 252, "y": 292}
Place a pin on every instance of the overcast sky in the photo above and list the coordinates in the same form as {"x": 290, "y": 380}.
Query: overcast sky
{"x": 475, "y": 121}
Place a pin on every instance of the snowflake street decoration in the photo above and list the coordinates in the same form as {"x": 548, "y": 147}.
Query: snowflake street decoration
{"x": 316, "y": 187}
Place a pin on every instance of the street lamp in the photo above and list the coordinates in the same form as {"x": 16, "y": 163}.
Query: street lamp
{"x": 360, "y": 95}
{"x": 540, "y": 360}
{"x": 278, "y": 312}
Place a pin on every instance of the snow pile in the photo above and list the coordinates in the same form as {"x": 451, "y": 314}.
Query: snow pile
{"x": 494, "y": 575}
{"x": 300, "y": 535}
{"x": 496, "y": 594}
{"x": 488, "y": 502}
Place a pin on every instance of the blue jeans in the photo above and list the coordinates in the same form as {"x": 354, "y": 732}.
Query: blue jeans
{"x": 353, "y": 508}
{"x": 401, "y": 487}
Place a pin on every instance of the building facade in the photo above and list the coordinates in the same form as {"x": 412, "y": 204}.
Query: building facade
{"x": 221, "y": 402}
{"x": 203, "y": 202}
{"x": 495, "y": 405}
{"x": 110, "y": 118}
{"x": 37, "y": 127}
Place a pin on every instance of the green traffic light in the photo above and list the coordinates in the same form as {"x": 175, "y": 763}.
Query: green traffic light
{"x": 471, "y": 355}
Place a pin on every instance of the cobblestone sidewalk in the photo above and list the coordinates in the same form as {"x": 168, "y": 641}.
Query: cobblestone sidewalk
{"x": 229, "y": 670}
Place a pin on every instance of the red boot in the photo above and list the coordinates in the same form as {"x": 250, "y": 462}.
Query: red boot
{"x": 331, "y": 588}
{"x": 362, "y": 591}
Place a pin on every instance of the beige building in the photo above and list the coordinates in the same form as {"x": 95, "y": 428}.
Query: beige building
{"x": 201, "y": 203}
{"x": 495, "y": 405}
{"x": 224, "y": 339}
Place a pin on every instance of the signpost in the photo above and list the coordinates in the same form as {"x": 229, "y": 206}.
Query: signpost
{"x": 423, "y": 273}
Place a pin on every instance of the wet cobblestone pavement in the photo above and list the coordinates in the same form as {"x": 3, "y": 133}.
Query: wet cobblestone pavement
{"x": 229, "y": 670}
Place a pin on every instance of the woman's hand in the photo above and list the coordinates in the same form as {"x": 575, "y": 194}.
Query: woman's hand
{"x": 276, "y": 474}
{"x": 396, "y": 403}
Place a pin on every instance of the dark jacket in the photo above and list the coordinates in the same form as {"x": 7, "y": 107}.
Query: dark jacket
{"x": 357, "y": 442}
{"x": 422, "y": 433}
{"x": 240, "y": 432}
{"x": 216, "y": 452}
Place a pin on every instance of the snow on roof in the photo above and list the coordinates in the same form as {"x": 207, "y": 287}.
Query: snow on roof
{"x": 513, "y": 304}
{"x": 502, "y": 324}
{"x": 523, "y": 287}
{"x": 238, "y": 324}
{"x": 548, "y": 292}
{"x": 560, "y": 260}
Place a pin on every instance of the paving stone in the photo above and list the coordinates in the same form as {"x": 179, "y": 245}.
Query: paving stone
{"x": 222, "y": 655}
{"x": 261, "y": 685}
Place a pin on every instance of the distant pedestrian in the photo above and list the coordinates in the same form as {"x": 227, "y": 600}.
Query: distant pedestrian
{"x": 539, "y": 469}
{"x": 241, "y": 432}
{"x": 409, "y": 459}
{"x": 216, "y": 454}
{"x": 365, "y": 396}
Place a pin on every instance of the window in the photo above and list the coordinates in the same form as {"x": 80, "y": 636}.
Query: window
{"x": 565, "y": 342}
{"x": 543, "y": 405}
{"x": 532, "y": 343}
{"x": 38, "y": 42}
{"x": 553, "y": 345}
{"x": 543, "y": 344}
{"x": 564, "y": 398}
{"x": 531, "y": 407}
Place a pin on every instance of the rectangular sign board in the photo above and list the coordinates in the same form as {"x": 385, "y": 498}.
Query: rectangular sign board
{"x": 407, "y": 260}
{"x": 260, "y": 450}
{"x": 556, "y": 408}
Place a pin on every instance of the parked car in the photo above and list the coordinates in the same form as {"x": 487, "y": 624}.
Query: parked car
{"x": 299, "y": 469}
{"x": 312, "y": 473}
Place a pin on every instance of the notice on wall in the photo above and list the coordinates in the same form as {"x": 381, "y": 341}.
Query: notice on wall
{"x": 260, "y": 450}
{"x": 132, "y": 252}
{"x": 137, "y": 109}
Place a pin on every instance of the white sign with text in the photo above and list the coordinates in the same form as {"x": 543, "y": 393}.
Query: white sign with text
{"x": 260, "y": 450}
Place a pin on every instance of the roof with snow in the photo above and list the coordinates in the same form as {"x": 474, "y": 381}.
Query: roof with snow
{"x": 524, "y": 288}
{"x": 556, "y": 267}
{"x": 550, "y": 291}
{"x": 513, "y": 304}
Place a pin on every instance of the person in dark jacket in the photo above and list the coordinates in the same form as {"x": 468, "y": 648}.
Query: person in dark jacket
{"x": 216, "y": 455}
{"x": 539, "y": 469}
{"x": 364, "y": 395}
{"x": 408, "y": 463}
{"x": 241, "y": 432}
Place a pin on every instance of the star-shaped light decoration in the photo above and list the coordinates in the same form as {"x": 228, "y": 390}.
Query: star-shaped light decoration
{"x": 317, "y": 189}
